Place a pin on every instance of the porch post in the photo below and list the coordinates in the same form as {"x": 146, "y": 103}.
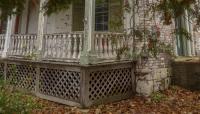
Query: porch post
{"x": 129, "y": 15}
{"x": 40, "y": 31}
{"x": 9, "y": 30}
{"x": 88, "y": 55}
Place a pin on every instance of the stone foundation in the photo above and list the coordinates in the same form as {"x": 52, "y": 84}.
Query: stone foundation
{"x": 153, "y": 74}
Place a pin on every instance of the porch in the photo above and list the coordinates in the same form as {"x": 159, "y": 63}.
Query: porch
{"x": 60, "y": 76}
{"x": 77, "y": 68}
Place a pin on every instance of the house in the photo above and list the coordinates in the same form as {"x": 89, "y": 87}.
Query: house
{"x": 69, "y": 57}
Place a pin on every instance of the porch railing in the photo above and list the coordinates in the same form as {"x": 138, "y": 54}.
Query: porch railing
{"x": 108, "y": 45}
{"x": 63, "y": 46}
{"x": 66, "y": 47}
{"x": 22, "y": 45}
{"x": 2, "y": 42}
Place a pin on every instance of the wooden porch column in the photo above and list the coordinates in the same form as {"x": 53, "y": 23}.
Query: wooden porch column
{"x": 129, "y": 15}
{"x": 40, "y": 31}
{"x": 9, "y": 31}
{"x": 88, "y": 55}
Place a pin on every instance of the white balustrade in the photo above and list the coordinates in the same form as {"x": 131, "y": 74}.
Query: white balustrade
{"x": 22, "y": 45}
{"x": 63, "y": 46}
{"x": 107, "y": 44}
{"x": 66, "y": 47}
{"x": 2, "y": 42}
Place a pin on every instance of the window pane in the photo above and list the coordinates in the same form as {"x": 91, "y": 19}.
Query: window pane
{"x": 101, "y": 16}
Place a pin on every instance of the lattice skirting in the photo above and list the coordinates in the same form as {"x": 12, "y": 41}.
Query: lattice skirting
{"x": 1, "y": 69}
{"x": 73, "y": 85}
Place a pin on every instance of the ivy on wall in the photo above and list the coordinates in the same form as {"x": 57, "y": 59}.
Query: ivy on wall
{"x": 169, "y": 9}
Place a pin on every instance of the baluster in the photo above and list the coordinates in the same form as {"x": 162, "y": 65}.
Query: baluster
{"x": 80, "y": 45}
{"x": 16, "y": 48}
{"x": 100, "y": 45}
{"x": 33, "y": 41}
{"x": 110, "y": 52}
{"x": 59, "y": 45}
{"x": 47, "y": 45}
{"x": 13, "y": 48}
{"x": 20, "y": 46}
{"x": 75, "y": 48}
{"x": 55, "y": 45}
{"x": 123, "y": 43}
{"x": 118, "y": 41}
{"x": 130, "y": 44}
{"x": 64, "y": 45}
{"x": 31, "y": 44}
{"x": 44, "y": 51}
{"x": 50, "y": 40}
{"x": 106, "y": 45}
{"x": 114, "y": 46}
{"x": 11, "y": 45}
{"x": 10, "y": 49}
{"x": 25, "y": 44}
{"x": 69, "y": 39}
{"x": 17, "y": 45}
{"x": 51, "y": 46}
{"x": 28, "y": 44}
{"x": 1, "y": 42}
{"x": 96, "y": 45}
{"x": 103, "y": 36}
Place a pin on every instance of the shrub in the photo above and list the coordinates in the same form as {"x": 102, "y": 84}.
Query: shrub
{"x": 15, "y": 102}
{"x": 157, "y": 97}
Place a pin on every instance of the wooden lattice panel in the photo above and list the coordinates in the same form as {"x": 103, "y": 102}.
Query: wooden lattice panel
{"x": 1, "y": 69}
{"x": 22, "y": 76}
{"x": 108, "y": 83}
{"x": 63, "y": 84}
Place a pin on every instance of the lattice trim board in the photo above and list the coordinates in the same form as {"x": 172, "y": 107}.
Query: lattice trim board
{"x": 103, "y": 84}
{"x": 73, "y": 85}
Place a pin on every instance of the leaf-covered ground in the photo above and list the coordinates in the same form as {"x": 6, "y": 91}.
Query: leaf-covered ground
{"x": 175, "y": 100}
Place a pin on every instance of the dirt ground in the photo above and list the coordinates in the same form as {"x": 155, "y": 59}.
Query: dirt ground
{"x": 175, "y": 100}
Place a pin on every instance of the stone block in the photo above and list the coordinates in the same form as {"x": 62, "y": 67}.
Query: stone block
{"x": 144, "y": 87}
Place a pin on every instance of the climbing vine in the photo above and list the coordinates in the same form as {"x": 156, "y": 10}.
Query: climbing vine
{"x": 169, "y": 10}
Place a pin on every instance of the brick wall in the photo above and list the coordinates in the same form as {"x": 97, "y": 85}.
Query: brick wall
{"x": 152, "y": 74}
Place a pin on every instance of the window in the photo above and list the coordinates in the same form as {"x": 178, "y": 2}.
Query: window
{"x": 3, "y": 25}
{"x": 184, "y": 45}
{"x": 101, "y": 16}
{"x": 107, "y": 14}
{"x": 78, "y": 15}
